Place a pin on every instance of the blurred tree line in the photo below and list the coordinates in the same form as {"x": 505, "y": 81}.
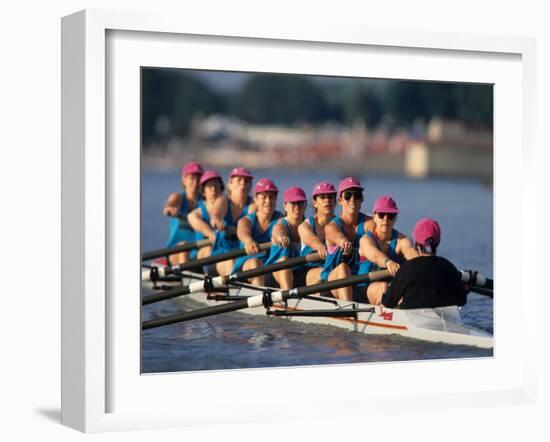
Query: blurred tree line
{"x": 172, "y": 98}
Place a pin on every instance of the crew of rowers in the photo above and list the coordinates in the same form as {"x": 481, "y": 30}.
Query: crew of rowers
{"x": 349, "y": 244}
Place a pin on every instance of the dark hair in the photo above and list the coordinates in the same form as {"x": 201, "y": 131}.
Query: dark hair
{"x": 432, "y": 248}
{"x": 219, "y": 180}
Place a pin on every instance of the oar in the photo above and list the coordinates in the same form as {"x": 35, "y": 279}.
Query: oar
{"x": 181, "y": 248}
{"x": 176, "y": 249}
{"x": 475, "y": 279}
{"x": 163, "y": 271}
{"x": 222, "y": 281}
{"x": 267, "y": 299}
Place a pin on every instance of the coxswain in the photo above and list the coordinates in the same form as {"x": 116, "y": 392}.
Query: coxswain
{"x": 342, "y": 236}
{"x": 286, "y": 240}
{"x": 383, "y": 247}
{"x": 177, "y": 207}
{"x": 257, "y": 227}
{"x": 312, "y": 230}
{"x": 428, "y": 280}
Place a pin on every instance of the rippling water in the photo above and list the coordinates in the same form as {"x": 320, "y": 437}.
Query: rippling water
{"x": 236, "y": 340}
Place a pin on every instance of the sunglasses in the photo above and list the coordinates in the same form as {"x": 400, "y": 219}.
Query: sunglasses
{"x": 390, "y": 216}
{"x": 348, "y": 194}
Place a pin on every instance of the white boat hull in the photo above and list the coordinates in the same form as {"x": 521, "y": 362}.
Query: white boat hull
{"x": 441, "y": 324}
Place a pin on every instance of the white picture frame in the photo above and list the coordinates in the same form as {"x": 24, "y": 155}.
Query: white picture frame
{"x": 90, "y": 170}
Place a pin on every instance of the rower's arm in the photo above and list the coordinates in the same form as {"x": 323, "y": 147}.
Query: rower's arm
{"x": 218, "y": 211}
{"x": 173, "y": 204}
{"x": 308, "y": 237}
{"x": 244, "y": 233}
{"x": 333, "y": 235}
{"x": 406, "y": 248}
{"x": 244, "y": 230}
{"x": 279, "y": 232}
{"x": 199, "y": 225}
{"x": 368, "y": 248}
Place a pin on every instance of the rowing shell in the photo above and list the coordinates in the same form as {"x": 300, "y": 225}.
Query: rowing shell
{"x": 440, "y": 324}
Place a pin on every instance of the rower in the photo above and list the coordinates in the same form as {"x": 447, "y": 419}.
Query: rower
{"x": 312, "y": 230}
{"x": 343, "y": 234}
{"x": 257, "y": 228}
{"x": 208, "y": 221}
{"x": 427, "y": 280}
{"x": 177, "y": 206}
{"x": 211, "y": 189}
{"x": 285, "y": 238}
{"x": 383, "y": 247}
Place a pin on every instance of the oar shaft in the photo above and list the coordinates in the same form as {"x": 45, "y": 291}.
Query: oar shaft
{"x": 378, "y": 275}
{"x": 217, "y": 258}
{"x": 202, "y": 313}
{"x": 177, "y": 249}
{"x": 275, "y": 267}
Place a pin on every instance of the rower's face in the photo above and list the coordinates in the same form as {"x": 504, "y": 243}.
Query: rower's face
{"x": 240, "y": 184}
{"x": 296, "y": 210}
{"x": 212, "y": 189}
{"x": 325, "y": 203}
{"x": 191, "y": 182}
{"x": 351, "y": 200}
{"x": 385, "y": 221}
{"x": 266, "y": 201}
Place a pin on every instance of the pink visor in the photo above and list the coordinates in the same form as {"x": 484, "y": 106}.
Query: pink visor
{"x": 349, "y": 183}
{"x": 192, "y": 167}
{"x": 265, "y": 185}
{"x": 427, "y": 232}
{"x": 324, "y": 189}
{"x": 385, "y": 204}
{"x": 240, "y": 171}
{"x": 294, "y": 195}
{"x": 210, "y": 175}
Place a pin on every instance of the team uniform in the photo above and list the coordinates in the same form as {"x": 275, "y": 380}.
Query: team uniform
{"x": 425, "y": 282}
{"x": 224, "y": 241}
{"x": 306, "y": 250}
{"x": 259, "y": 237}
{"x": 292, "y": 251}
{"x": 336, "y": 255}
{"x": 179, "y": 228}
{"x": 366, "y": 266}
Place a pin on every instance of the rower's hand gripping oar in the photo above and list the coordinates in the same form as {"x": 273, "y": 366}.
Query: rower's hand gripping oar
{"x": 156, "y": 272}
{"x": 182, "y": 248}
{"x": 210, "y": 284}
{"x": 267, "y": 299}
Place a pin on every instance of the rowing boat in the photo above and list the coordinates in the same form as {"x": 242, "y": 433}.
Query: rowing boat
{"x": 441, "y": 324}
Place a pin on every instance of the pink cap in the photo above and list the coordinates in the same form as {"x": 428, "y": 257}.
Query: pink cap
{"x": 265, "y": 185}
{"x": 294, "y": 195}
{"x": 240, "y": 171}
{"x": 427, "y": 232}
{"x": 385, "y": 204}
{"x": 210, "y": 175}
{"x": 323, "y": 188}
{"x": 349, "y": 183}
{"x": 192, "y": 167}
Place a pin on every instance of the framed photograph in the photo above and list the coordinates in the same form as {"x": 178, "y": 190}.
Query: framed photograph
{"x": 143, "y": 96}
